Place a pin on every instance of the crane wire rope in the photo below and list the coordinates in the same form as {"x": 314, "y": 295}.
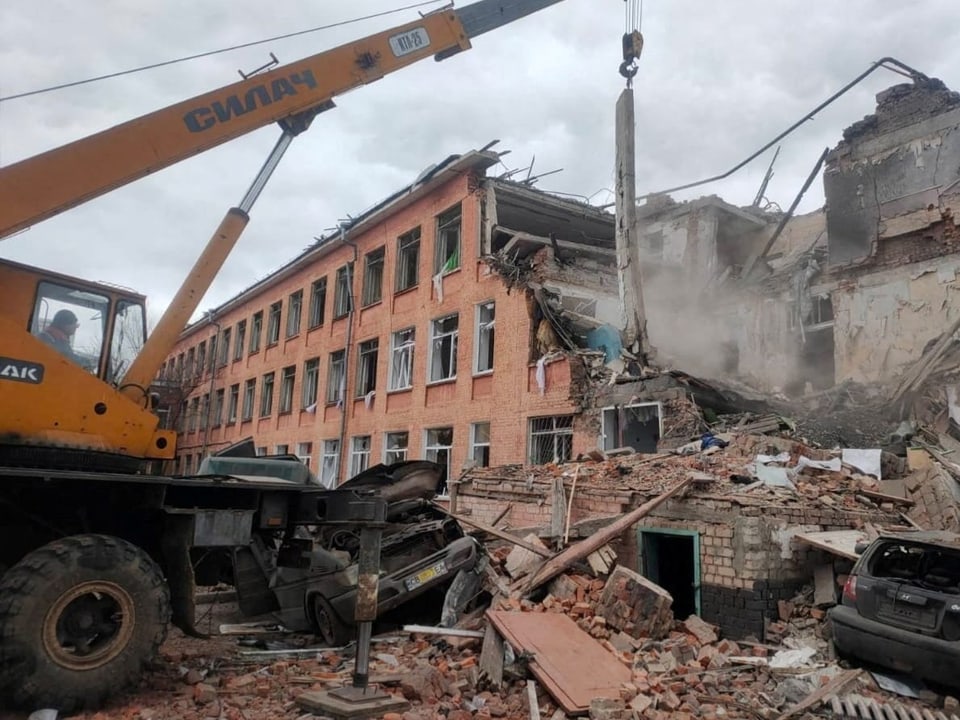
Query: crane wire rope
{"x": 197, "y": 56}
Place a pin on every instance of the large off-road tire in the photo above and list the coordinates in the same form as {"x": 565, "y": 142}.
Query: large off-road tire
{"x": 79, "y": 618}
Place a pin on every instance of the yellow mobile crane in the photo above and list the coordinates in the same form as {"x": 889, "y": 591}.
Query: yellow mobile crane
{"x": 96, "y": 552}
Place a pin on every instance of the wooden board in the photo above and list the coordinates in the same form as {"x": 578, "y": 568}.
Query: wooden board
{"x": 838, "y": 542}
{"x": 572, "y": 666}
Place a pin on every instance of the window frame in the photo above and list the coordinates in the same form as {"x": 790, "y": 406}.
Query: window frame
{"x": 555, "y": 432}
{"x": 430, "y": 453}
{"x": 249, "y": 399}
{"x": 219, "y": 396}
{"x": 336, "y": 392}
{"x": 367, "y": 368}
{"x": 408, "y": 348}
{"x": 256, "y": 331}
{"x": 442, "y": 256}
{"x": 240, "y": 340}
{"x": 360, "y": 454}
{"x": 267, "y": 381}
{"x": 233, "y": 404}
{"x": 480, "y": 326}
{"x": 432, "y": 350}
{"x": 410, "y": 239}
{"x": 475, "y": 444}
{"x": 318, "y": 302}
{"x": 374, "y": 266}
{"x": 401, "y": 452}
{"x": 330, "y": 448}
{"x": 274, "y": 320}
{"x": 223, "y": 347}
{"x": 288, "y": 381}
{"x": 343, "y": 301}
{"x": 294, "y": 314}
{"x": 308, "y": 382}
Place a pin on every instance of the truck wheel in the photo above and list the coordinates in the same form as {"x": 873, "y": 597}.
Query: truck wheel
{"x": 79, "y": 618}
{"x": 330, "y": 627}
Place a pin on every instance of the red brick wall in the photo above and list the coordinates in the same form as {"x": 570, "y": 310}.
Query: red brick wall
{"x": 506, "y": 399}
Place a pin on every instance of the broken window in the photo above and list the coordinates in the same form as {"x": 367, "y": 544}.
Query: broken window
{"x": 336, "y": 377}
{"x": 201, "y": 358}
{"x": 266, "y": 395}
{"x": 551, "y": 439}
{"x": 281, "y": 449}
{"x": 395, "y": 447}
{"x": 359, "y": 454}
{"x": 256, "y": 327}
{"x": 205, "y": 411}
{"x": 287, "y": 380}
{"x": 294, "y": 310}
{"x": 261, "y": 451}
{"x": 311, "y": 378}
{"x": 240, "y": 340}
{"x": 447, "y": 256}
{"x": 190, "y": 364}
{"x": 217, "y": 419}
{"x": 483, "y": 362}
{"x": 305, "y": 452}
{"x": 248, "y": 392}
{"x": 273, "y": 323}
{"x": 343, "y": 294}
{"x": 401, "y": 359}
{"x": 480, "y": 444}
{"x": 443, "y": 348}
{"x": 223, "y": 351}
{"x": 373, "y": 277}
{"x": 636, "y": 426}
{"x": 408, "y": 260}
{"x": 232, "y": 403}
{"x": 330, "y": 463}
{"x": 367, "y": 357}
{"x": 439, "y": 448}
{"x": 318, "y": 302}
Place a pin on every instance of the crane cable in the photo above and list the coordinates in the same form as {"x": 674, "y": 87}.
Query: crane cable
{"x": 154, "y": 66}
{"x": 632, "y": 39}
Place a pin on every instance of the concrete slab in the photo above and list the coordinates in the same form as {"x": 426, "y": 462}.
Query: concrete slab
{"x": 375, "y": 706}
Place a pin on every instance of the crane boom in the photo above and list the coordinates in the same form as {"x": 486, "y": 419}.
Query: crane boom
{"x": 42, "y": 186}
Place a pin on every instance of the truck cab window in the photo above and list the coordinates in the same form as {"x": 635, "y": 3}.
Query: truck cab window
{"x": 129, "y": 334}
{"x": 72, "y": 321}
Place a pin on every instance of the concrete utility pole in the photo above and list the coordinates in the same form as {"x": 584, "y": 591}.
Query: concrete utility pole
{"x": 628, "y": 250}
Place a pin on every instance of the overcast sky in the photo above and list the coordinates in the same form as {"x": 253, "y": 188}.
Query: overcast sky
{"x": 717, "y": 80}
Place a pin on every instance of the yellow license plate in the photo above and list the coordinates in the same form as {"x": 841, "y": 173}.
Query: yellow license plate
{"x": 425, "y": 575}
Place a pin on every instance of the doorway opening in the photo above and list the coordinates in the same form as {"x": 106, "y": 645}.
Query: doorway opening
{"x": 671, "y": 559}
{"x": 638, "y": 426}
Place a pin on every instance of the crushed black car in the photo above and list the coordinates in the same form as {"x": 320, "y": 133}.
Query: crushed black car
{"x": 901, "y": 606}
{"x": 309, "y": 582}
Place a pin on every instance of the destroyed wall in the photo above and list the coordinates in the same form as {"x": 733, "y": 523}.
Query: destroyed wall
{"x": 748, "y": 554}
{"x": 936, "y": 495}
{"x": 887, "y": 176}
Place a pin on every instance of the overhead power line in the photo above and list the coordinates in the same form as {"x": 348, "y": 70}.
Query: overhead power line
{"x": 216, "y": 52}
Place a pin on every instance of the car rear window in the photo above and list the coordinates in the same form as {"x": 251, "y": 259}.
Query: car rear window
{"x": 927, "y": 566}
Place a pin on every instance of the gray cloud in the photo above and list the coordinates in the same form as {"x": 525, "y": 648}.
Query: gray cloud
{"x": 716, "y": 81}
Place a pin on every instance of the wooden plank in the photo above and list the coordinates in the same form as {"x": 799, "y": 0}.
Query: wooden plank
{"x": 883, "y": 497}
{"x": 491, "y": 658}
{"x": 542, "y": 552}
{"x": 521, "y": 561}
{"x": 532, "y": 700}
{"x": 573, "y": 491}
{"x": 838, "y": 542}
{"x": 572, "y": 666}
{"x": 502, "y": 514}
{"x": 814, "y": 698}
{"x": 451, "y": 632}
{"x": 582, "y": 549}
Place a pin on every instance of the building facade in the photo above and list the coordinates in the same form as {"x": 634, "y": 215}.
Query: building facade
{"x": 394, "y": 339}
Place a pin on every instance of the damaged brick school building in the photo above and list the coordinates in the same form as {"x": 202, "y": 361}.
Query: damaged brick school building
{"x": 472, "y": 320}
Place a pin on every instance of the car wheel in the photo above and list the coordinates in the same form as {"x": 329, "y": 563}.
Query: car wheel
{"x": 79, "y": 618}
{"x": 330, "y": 627}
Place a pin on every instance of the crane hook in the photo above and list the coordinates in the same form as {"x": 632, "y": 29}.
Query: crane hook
{"x": 632, "y": 47}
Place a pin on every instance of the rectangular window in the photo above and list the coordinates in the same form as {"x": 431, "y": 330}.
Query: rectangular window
{"x": 256, "y": 328}
{"x": 287, "y": 379}
{"x": 217, "y": 419}
{"x": 273, "y": 324}
{"x": 439, "y": 449}
{"x": 343, "y": 292}
{"x": 224, "y": 349}
{"x": 201, "y": 358}
{"x": 261, "y": 451}
{"x": 483, "y": 343}
{"x": 232, "y": 403}
{"x": 373, "y": 277}
{"x": 212, "y": 354}
{"x": 395, "y": 447}
{"x": 191, "y": 364}
{"x": 240, "y": 343}
{"x": 249, "y": 389}
{"x": 359, "y": 454}
{"x": 180, "y": 375}
{"x": 281, "y": 450}
{"x": 408, "y": 260}
{"x": 443, "y": 348}
{"x": 336, "y": 378}
{"x": 205, "y": 411}
{"x": 194, "y": 414}
{"x": 318, "y": 302}
{"x": 480, "y": 444}
{"x": 311, "y": 377}
{"x": 402, "y": 344}
{"x": 551, "y": 439}
{"x": 266, "y": 395}
{"x": 305, "y": 452}
{"x": 447, "y": 256}
{"x": 367, "y": 358}
{"x": 330, "y": 463}
{"x": 294, "y": 311}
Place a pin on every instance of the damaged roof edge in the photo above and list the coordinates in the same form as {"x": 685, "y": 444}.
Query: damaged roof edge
{"x": 453, "y": 165}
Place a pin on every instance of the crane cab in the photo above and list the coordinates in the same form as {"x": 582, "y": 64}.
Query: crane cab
{"x": 110, "y": 322}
